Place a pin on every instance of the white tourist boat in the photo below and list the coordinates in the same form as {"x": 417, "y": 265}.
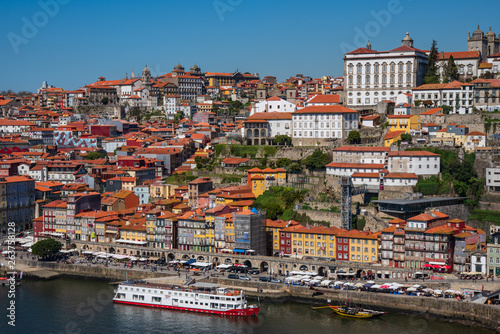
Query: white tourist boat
{"x": 198, "y": 297}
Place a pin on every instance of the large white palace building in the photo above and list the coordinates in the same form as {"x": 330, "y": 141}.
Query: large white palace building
{"x": 373, "y": 76}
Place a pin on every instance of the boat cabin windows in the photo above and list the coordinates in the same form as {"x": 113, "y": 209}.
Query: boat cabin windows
{"x": 137, "y": 297}
{"x": 156, "y": 299}
{"x": 120, "y": 296}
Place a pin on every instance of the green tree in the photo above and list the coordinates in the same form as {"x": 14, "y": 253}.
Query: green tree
{"x": 273, "y": 210}
{"x": 46, "y": 247}
{"x": 236, "y": 105}
{"x": 432, "y": 75}
{"x": 178, "y": 116}
{"x": 446, "y": 109}
{"x": 95, "y": 155}
{"x": 354, "y": 137}
{"x": 282, "y": 140}
{"x": 316, "y": 160}
{"x": 406, "y": 137}
{"x": 283, "y": 162}
{"x": 201, "y": 162}
{"x": 295, "y": 167}
{"x": 216, "y": 109}
{"x": 450, "y": 70}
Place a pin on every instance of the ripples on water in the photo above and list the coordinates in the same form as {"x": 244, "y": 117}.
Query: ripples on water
{"x": 84, "y": 306}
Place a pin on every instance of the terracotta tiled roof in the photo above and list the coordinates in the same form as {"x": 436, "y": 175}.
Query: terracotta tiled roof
{"x": 393, "y": 134}
{"x": 476, "y": 133}
{"x": 412, "y": 154}
{"x": 331, "y": 98}
{"x": 335, "y": 109}
{"x": 355, "y": 165}
{"x": 458, "y": 54}
{"x": 401, "y": 176}
{"x": 269, "y": 116}
{"x": 362, "y": 149}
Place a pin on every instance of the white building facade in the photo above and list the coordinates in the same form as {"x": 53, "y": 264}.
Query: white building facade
{"x": 272, "y": 104}
{"x": 493, "y": 179}
{"x": 474, "y": 139}
{"x": 319, "y": 124}
{"x": 373, "y": 76}
{"x": 419, "y": 162}
{"x": 457, "y": 95}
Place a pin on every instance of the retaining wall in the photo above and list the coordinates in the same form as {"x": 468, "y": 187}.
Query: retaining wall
{"x": 111, "y": 273}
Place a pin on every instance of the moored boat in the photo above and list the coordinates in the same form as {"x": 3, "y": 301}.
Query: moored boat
{"x": 205, "y": 298}
{"x": 355, "y": 312}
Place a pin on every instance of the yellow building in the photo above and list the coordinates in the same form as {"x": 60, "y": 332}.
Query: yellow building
{"x": 258, "y": 184}
{"x": 229, "y": 195}
{"x": 452, "y": 135}
{"x": 160, "y": 190}
{"x": 134, "y": 230}
{"x": 404, "y": 123}
{"x": 363, "y": 246}
{"x": 273, "y": 228}
{"x": 229, "y": 235}
{"x": 392, "y": 137}
{"x": 312, "y": 241}
{"x": 261, "y": 179}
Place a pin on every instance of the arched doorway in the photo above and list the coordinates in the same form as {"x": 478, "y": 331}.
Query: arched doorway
{"x": 170, "y": 257}
{"x": 264, "y": 267}
{"x": 228, "y": 261}
{"x": 138, "y": 253}
{"x": 248, "y": 264}
{"x": 303, "y": 267}
{"x": 185, "y": 257}
{"x": 358, "y": 273}
{"x": 72, "y": 246}
{"x": 322, "y": 272}
{"x": 215, "y": 261}
{"x": 201, "y": 258}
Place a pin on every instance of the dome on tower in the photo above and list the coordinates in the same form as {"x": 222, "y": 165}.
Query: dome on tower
{"x": 179, "y": 67}
{"x": 478, "y": 32}
{"x": 146, "y": 70}
{"x": 195, "y": 68}
{"x": 407, "y": 40}
{"x": 490, "y": 33}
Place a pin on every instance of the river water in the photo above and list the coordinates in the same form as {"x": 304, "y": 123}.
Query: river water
{"x": 68, "y": 305}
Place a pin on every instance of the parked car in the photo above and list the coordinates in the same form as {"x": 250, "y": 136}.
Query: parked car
{"x": 264, "y": 279}
{"x": 233, "y": 276}
{"x": 254, "y": 271}
{"x": 275, "y": 280}
{"x": 244, "y": 278}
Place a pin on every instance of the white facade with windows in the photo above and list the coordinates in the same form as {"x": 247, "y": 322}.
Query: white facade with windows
{"x": 373, "y": 76}
{"x": 473, "y": 140}
{"x": 493, "y": 179}
{"x": 456, "y": 95}
{"x": 272, "y": 104}
{"x": 324, "y": 122}
{"x": 172, "y": 105}
{"x": 418, "y": 162}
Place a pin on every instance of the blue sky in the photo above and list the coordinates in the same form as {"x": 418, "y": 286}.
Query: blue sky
{"x": 75, "y": 42}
